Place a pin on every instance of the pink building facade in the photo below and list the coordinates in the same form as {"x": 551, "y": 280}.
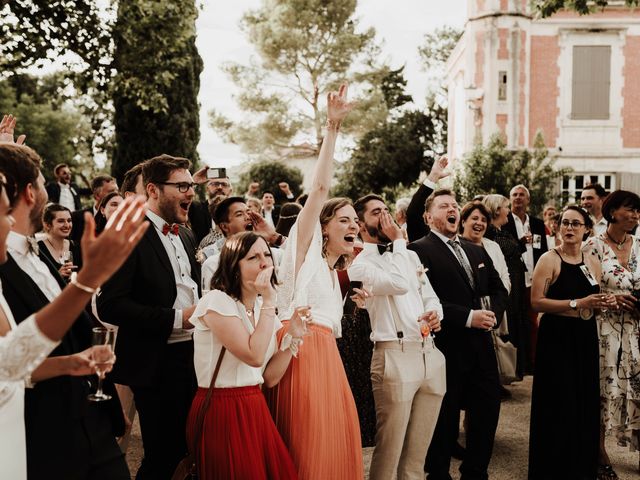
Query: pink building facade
{"x": 576, "y": 79}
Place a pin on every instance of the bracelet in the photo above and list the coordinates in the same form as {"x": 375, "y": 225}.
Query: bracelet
{"x": 333, "y": 125}
{"x": 74, "y": 281}
{"x": 292, "y": 343}
{"x": 268, "y": 308}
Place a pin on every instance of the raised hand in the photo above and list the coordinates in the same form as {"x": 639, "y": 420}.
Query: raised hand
{"x": 102, "y": 256}
{"x": 284, "y": 188}
{"x": 7, "y": 127}
{"x": 200, "y": 176}
{"x": 438, "y": 169}
{"x": 389, "y": 227}
{"x": 337, "y": 105}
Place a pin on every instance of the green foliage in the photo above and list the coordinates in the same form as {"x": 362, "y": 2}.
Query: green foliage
{"x": 306, "y": 48}
{"x": 438, "y": 45}
{"x": 54, "y": 126}
{"x": 546, "y": 8}
{"x": 156, "y": 87}
{"x": 270, "y": 174}
{"x": 495, "y": 169}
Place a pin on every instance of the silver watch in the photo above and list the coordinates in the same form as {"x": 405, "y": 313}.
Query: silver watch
{"x": 573, "y": 304}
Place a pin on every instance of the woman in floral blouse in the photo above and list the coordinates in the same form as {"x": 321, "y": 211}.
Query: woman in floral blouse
{"x": 619, "y": 254}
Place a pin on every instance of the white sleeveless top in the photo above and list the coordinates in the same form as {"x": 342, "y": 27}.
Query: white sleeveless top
{"x": 233, "y": 372}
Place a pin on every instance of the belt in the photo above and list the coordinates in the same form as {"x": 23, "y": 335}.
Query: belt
{"x": 416, "y": 345}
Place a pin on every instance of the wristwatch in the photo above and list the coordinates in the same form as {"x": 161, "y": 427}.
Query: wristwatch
{"x": 573, "y": 304}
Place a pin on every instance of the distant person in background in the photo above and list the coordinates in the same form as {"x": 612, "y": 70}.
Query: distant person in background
{"x": 100, "y": 186}
{"x": 591, "y": 200}
{"x": 132, "y": 182}
{"x": 302, "y": 199}
{"x": 56, "y": 246}
{"x": 63, "y": 191}
{"x": 108, "y": 205}
{"x": 254, "y": 205}
{"x": 270, "y": 211}
{"x": 200, "y": 218}
{"x": 548, "y": 215}
{"x": 401, "y": 212}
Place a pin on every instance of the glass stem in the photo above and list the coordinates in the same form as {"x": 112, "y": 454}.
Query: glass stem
{"x": 99, "y": 390}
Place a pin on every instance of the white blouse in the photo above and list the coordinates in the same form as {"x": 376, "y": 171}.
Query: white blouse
{"x": 21, "y": 351}
{"x": 233, "y": 372}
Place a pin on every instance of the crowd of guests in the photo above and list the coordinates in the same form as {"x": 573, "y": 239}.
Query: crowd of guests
{"x": 269, "y": 336}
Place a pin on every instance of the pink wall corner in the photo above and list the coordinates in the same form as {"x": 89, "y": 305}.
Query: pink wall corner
{"x": 544, "y": 91}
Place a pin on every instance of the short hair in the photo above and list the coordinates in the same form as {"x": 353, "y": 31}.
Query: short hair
{"x": 520, "y": 185}
{"x": 269, "y": 192}
{"x": 21, "y": 167}
{"x": 221, "y": 212}
{"x": 98, "y": 181}
{"x": 588, "y": 221}
{"x": 494, "y": 202}
{"x": 599, "y": 189}
{"x": 471, "y": 207}
{"x": 131, "y": 179}
{"x": 361, "y": 204}
{"x": 59, "y": 167}
{"x": 547, "y": 208}
{"x": 158, "y": 169}
{"x": 618, "y": 199}
{"x": 402, "y": 204}
{"x": 49, "y": 214}
{"x": 328, "y": 212}
{"x": 437, "y": 193}
{"x": 227, "y": 277}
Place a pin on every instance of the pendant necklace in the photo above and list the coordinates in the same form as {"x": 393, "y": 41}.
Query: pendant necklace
{"x": 620, "y": 244}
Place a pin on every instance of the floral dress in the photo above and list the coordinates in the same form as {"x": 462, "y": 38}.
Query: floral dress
{"x": 619, "y": 331}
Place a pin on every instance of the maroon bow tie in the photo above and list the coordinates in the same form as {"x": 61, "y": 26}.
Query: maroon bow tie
{"x": 170, "y": 229}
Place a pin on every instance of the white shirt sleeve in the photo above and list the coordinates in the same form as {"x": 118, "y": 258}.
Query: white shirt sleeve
{"x": 385, "y": 282}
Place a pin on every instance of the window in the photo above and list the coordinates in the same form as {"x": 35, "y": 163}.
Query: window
{"x": 572, "y": 185}
{"x": 502, "y": 86}
{"x": 591, "y": 82}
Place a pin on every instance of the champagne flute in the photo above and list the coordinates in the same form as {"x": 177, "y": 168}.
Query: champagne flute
{"x": 104, "y": 342}
{"x": 485, "y": 303}
{"x": 304, "y": 312}
{"x": 66, "y": 257}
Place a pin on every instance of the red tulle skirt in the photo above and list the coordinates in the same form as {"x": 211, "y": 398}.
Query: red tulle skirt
{"x": 239, "y": 439}
{"x": 315, "y": 413}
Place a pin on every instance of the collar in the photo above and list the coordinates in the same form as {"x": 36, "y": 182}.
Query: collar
{"x": 516, "y": 218}
{"x": 443, "y": 237}
{"x": 64, "y": 185}
{"x": 18, "y": 243}
{"x": 156, "y": 219}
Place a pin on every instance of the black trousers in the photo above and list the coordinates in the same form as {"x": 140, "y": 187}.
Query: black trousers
{"x": 163, "y": 409}
{"x": 475, "y": 388}
{"x": 93, "y": 453}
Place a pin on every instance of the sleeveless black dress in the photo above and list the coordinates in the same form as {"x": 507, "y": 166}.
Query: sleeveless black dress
{"x": 565, "y": 403}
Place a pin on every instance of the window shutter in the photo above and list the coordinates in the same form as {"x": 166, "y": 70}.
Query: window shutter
{"x": 591, "y": 82}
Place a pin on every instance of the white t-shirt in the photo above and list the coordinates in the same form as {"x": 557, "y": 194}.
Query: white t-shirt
{"x": 233, "y": 372}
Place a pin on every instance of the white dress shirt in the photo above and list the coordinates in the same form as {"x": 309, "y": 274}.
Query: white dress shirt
{"x": 400, "y": 291}
{"x": 268, "y": 217}
{"x": 66, "y": 197}
{"x": 29, "y": 262}
{"x": 186, "y": 287}
{"x": 527, "y": 255}
{"x": 599, "y": 226}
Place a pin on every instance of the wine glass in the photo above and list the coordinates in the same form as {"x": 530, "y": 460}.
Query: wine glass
{"x": 485, "y": 304}
{"x": 304, "y": 312}
{"x": 66, "y": 257}
{"x": 104, "y": 342}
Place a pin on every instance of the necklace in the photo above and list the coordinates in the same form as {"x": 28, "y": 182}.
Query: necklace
{"x": 57, "y": 251}
{"x": 620, "y": 244}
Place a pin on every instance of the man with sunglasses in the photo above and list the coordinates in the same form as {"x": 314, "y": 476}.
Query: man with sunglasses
{"x": 151, "y": 299}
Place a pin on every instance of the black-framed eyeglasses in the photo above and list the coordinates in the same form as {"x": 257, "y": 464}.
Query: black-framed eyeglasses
{"x": 216, "y": 184}
{"x": 572, "y": 224}
{"x": 183, "y": 187}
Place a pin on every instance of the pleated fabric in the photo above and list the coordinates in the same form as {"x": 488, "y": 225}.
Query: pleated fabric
{"x": 315, "y": 413}
{"x": 239, "y": 439}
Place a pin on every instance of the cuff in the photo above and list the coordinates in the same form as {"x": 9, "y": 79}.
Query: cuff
{"x": 468, "y": 324}
{"x": 177, "y": 320}
{"x": 399, "y": 245}
{"x": 428, "y": 183}
{"x": 290, "y": 196}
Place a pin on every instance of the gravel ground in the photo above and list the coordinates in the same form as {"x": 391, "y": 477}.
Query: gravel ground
{"x": 510, "y": 452}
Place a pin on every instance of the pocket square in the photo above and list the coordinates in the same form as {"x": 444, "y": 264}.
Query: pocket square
{"x": 481, "y": 265}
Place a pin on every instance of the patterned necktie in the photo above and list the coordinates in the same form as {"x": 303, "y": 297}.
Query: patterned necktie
{"x": 463, "y": 261}
{"x": 166, "y": 229}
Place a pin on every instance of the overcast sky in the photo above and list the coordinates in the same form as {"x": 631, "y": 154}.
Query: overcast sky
{"x": 400, "y": 25}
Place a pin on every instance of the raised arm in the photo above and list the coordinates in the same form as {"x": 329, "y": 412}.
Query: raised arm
{"x": 416, "y": 227}
{"x": 337, "y": 110}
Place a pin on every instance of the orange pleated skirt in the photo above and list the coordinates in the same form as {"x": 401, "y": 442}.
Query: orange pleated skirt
{"x": 315, "y": 413}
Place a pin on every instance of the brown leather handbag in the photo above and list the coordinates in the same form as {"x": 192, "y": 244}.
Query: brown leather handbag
{"x": 189, "y": 468}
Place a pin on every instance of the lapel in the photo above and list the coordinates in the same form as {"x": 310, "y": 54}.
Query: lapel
{"x": 158, "y": 247}
{"x": 187, "y": 241}
{"x": 453, "y": 259}
{"x": 25, "y": 288}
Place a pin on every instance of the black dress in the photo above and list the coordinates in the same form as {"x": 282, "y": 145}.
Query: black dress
{"x": 517, "y": 305}
{"x": 565, "y": 403}
{"x": 75, "y": 253}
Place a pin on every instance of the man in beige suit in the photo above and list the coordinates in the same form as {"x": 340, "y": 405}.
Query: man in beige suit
{"x": 407, "y": 370}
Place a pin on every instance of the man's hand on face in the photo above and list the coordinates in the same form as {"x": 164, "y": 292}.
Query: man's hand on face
{"x": 389, "y": 228}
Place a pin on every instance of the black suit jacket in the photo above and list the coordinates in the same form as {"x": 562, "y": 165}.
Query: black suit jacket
{"x": 200, "y": 220}
{"x": 53, "y": 189}
{"x": 537, "y": 228}
{"x": 53, "y": 406}
{"x": 77, "y": 227}
{"x": 139, "y": 299}
{"x": 416, "y": 228}
{"x": 458, "y": 297}
{"x": 275, "y": 214}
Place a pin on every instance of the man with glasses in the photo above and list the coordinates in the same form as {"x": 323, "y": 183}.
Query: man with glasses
{"x": 151, "y": 299}
{"x": 200, "y": 216}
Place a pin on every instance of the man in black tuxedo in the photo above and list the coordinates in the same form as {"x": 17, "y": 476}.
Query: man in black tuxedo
{"x": 151, "y": 299}
{"x": 101, "y": 185}
{"x": 463, "y": 277}
{"x": 68, "y": 437}
{"x": 270, "y": 211}
{"x": 532, "y": 235}
{"x": 63, "y": 191}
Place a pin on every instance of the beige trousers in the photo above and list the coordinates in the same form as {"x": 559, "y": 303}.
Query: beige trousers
{"x": 408, "y": 383}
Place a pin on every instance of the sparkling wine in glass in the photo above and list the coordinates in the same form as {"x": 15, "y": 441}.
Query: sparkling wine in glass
{"x": 104, "y": 342}
{"x": 66, "y": 257}
{"x": 304, "y": 312}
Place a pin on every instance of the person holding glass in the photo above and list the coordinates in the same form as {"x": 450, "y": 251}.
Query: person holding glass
{"x": 565, "y": 395}
{"x": 313, "y": 406}
{"x": 618, "y": 252}
{"x": 235, "y": 328}
{"x": 56, "y": 246}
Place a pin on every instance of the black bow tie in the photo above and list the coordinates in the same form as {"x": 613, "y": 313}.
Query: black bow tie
{"x": 385, "y": 248}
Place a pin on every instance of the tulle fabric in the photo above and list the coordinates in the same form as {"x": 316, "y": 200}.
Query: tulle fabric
{"x": 239, "y": 439}
{"x": 315, "y": 412}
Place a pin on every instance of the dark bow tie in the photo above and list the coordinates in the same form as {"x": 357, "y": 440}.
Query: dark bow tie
{"x": 385, "y": 248}
{"x": 170, "y": 229}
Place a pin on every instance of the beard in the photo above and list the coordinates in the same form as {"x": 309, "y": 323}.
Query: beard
{"x": 377, "y": 233}
{"x": 170, "y": 211}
